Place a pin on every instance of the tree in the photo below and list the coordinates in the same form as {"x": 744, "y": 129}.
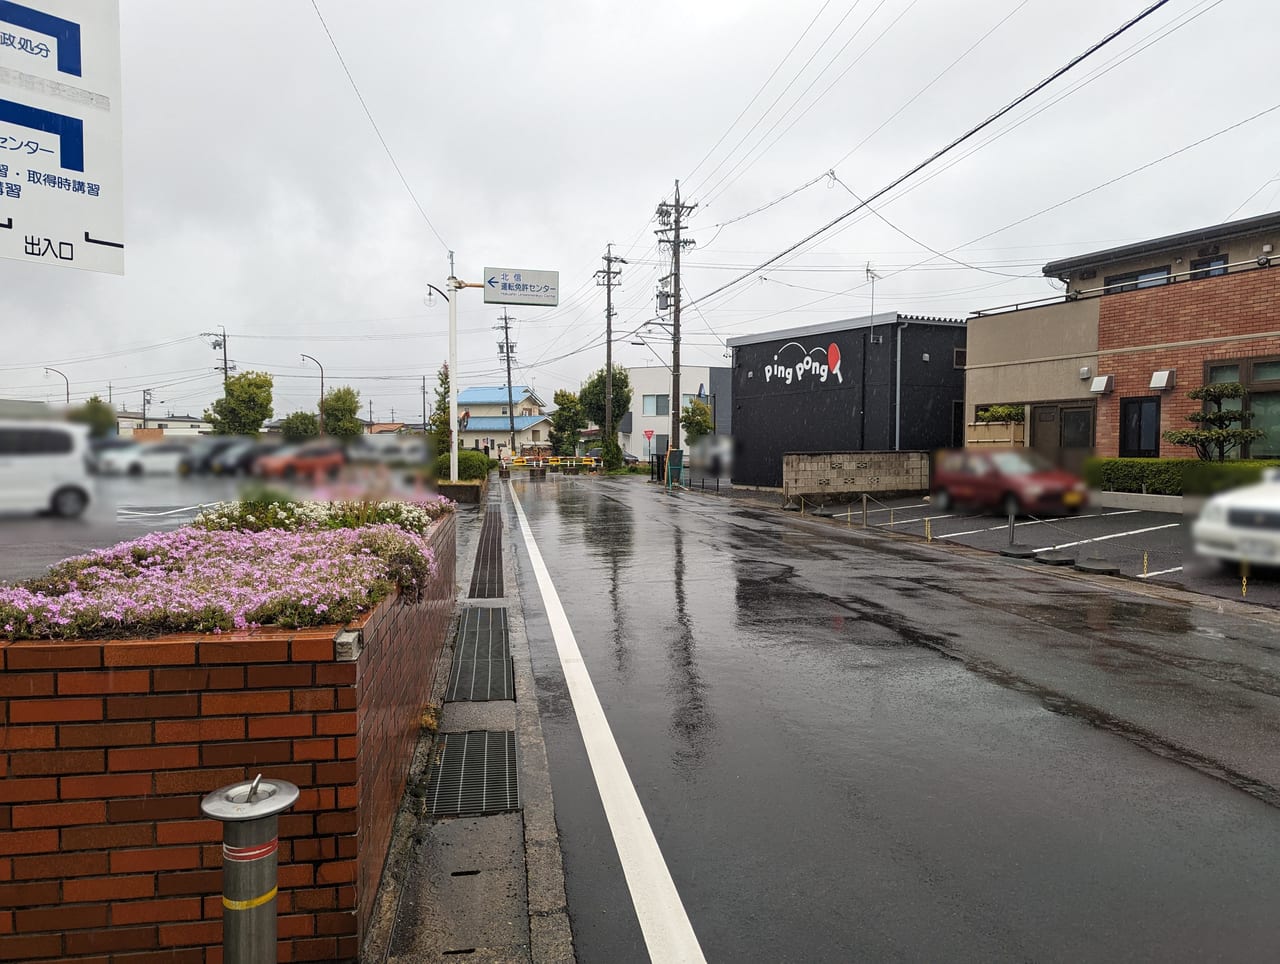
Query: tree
{"x": 567, "y": 423}
{"x": 592, "y": 396}
{"x": 299, "y": 427}
{"x": 1218, "y": 434}
{"x": 438, "y": 433}
{"x": 696, "y": 419}
{"x": 98, "y": 415}
{"x": 342, "y": 414}
{"x": 244, "y": 406}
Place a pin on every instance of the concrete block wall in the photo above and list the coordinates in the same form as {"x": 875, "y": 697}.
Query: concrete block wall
{"x": 818, "y": 474}
{"x": 107, "y": 747}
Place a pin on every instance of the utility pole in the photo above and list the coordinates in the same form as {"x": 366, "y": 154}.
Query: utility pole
{"x": 220, "y": 341}
{"x": 146, "y": 400}
{"x": 608, "y": 276}
{"x": 506, "y": 350}
{"x": 371, "y": 416}
{"x": 671, "y": 217}
{"x": 424, "y": 405}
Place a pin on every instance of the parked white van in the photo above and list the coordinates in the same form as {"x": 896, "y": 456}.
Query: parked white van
{"x": 44, "y": 467}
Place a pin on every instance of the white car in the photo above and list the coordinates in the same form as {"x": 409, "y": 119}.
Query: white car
{"x": 44, "y": 467}
{"x": 156, "y": 458}
{"x": 1242, "y": 525}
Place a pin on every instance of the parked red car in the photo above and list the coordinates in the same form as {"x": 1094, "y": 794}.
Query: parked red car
{"x": 309, "y": 461}
{"x": 1015, "y": 481}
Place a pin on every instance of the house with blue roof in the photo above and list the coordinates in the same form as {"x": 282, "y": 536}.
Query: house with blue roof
{"x": 486, "y": 418}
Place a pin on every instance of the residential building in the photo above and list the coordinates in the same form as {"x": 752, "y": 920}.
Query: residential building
{"x": 651, "y": 405}
{"x": 888, "y": 382}
{"x": 1107, "y": 366}
{"x": 486, "y": 419}
{"x": 167, "y": 425}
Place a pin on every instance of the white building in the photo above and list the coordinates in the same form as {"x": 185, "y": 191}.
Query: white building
{"x": 176, "y": 425}
{"x": 651, "y": 405}
{"x": 486, "y": 418}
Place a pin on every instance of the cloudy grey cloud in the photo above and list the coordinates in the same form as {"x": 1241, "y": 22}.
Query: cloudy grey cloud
{"x": 259, "y": 198}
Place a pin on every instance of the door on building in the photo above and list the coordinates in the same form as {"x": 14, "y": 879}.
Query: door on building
{"x": 1046, "y": 431}
{"x": 957, "y": 424}
{"x": 1063, "y": 434}
{"x": 1077, "y": 437}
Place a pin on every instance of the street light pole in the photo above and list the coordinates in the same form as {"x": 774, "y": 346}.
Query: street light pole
{"x": 65, "y": 379}
{"x": 321, "y": 367}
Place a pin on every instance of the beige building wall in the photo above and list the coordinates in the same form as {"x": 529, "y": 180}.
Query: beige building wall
{"x": 1033, "y": 355}
{"x": 1246, "y": 249}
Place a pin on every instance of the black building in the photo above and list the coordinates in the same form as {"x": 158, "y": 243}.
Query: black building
{"x": 883, "y": 383}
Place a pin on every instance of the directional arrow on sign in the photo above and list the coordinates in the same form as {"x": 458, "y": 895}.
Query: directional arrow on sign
{"x": 493, "y": 282}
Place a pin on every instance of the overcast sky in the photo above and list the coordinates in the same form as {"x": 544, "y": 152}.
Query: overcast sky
{"x": 258, "y": 197}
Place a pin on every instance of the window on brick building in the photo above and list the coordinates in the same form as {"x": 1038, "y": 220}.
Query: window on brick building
{"x": 1261, "y": 379}
{"x": 1147, "y": 278}
{"x": 1140, "y": 427}
{"x": 1209, "y": 267}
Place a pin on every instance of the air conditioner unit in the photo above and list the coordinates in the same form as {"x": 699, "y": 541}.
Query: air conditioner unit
{"x": 1086, "y": 373}
{"x": 1102, "y": 384}
{"x": 1163, "y": 380}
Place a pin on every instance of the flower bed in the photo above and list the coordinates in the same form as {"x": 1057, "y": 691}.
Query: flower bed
{"x": 239, "y": 566}
{"x": 108, "y": 745}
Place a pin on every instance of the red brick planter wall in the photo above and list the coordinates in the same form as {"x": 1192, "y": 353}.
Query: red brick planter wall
{"x": 108, "y": 746}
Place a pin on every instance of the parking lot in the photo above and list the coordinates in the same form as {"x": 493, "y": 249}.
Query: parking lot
{"x": 1146, "y": 546}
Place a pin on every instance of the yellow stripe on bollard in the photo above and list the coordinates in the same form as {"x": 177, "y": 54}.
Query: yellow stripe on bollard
{"x": 1144, "y": 564}
{"x": 928, "y": 530}
{"x": 250, "y": 904}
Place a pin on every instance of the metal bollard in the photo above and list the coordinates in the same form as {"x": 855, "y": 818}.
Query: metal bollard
{"x": 1011, "y": 524}
{"x": 864, "y": 510}
{"x": 250, "y": 813}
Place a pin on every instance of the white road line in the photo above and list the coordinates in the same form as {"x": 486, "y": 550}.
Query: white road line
{"x": 1114, "y": 535}
{"x": 1162, "y": 572}
{"x": 138, "y": 512}
{"x": 667, "y": 932}
{"x": 1036, "y": 522}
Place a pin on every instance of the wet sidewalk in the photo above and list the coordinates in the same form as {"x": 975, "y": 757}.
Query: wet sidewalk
{"x": 475, "y": 871}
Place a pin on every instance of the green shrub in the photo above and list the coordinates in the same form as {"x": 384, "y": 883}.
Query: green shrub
{"x": 1209, "y": 478}
{"x": 1152, "y": 476}
{"x": 472, "y": 464}
{"x": 1171, "y": 476}
{"x": 1003, "y": 413}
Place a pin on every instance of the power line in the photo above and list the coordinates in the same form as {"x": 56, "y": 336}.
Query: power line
{"x": 374, "y": 124}
{"x": 1021, "y": 98}
{"x": 782, "y": 93}
{"x": 937, "y": 77}
{"x": 761, "y": 90}
{"x": 1012, "y": 224}
{"x": 1261, "y": 187}
{"x": 840, "y": 76}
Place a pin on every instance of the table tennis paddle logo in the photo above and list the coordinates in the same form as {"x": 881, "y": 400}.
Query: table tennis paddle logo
{"x": 810, "y": 366}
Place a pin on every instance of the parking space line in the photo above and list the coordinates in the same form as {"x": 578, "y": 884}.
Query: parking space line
{"x": 668, "y": 935}
{"x": 1036, "y": 522}
{"x": 1114, "y": 535}
{"x": 901, "y": 522}
{"x": 1162, "y": 572}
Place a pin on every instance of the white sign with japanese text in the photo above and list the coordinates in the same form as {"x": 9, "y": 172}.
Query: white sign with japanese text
{"x": 517, "y": 286}
{"x": 61, "y": 166}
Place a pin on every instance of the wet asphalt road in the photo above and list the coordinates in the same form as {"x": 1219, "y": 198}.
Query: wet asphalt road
{"x": 825, "y": 786}
{"x": 121, "y": 508}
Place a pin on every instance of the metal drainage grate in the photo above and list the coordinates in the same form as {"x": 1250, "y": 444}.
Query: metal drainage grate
{"x": 481, "y": 667}
{"x": 486, "y": 579}
{"x": 473, "y": 773}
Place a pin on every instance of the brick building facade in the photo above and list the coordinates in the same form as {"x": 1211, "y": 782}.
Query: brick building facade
{"x": 1107, "y": 367}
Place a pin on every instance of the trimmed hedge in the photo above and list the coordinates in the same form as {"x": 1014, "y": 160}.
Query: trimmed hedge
{"x": 472, "y": 465}
{"x": 1172, "y": 476}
